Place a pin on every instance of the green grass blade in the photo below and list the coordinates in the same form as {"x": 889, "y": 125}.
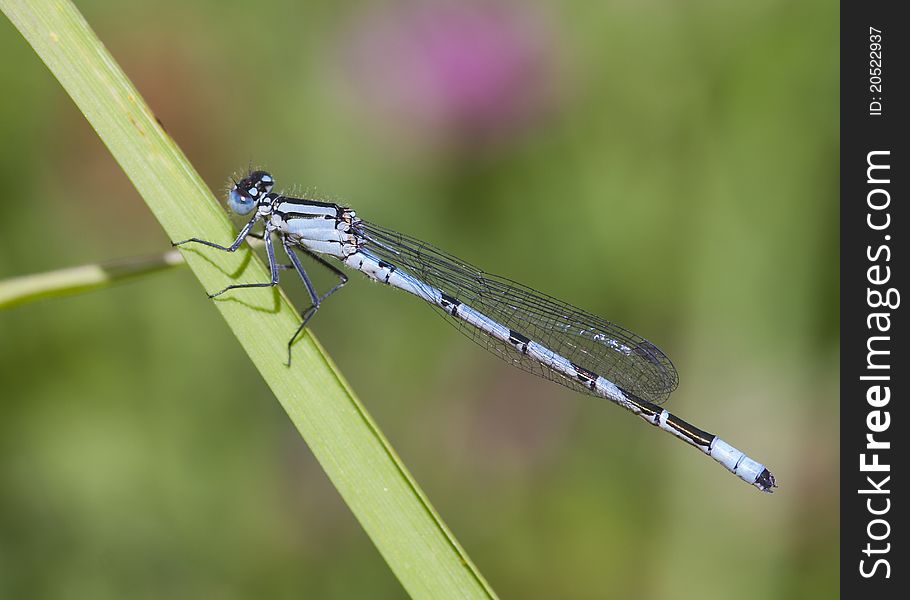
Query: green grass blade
{"x": 361, "y": 464}
{"x": 85, "y": 278}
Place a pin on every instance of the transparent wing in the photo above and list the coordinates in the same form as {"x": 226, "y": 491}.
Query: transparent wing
{"x": 628, "y": 360}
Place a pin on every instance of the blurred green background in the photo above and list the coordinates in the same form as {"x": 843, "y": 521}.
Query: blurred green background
{"x": 671, "y": 166}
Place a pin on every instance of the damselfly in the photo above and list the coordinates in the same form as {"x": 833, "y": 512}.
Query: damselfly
{"x": 534, "y": 332}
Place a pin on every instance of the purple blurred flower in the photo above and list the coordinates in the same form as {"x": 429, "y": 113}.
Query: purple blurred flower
{"x": 455, "y": 73}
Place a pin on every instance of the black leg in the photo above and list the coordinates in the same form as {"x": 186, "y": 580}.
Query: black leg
{"x": 233, "y": 247}
{"x": 260, "y": 236}
{"x": 315, "y": 299}
{"x": 273, "y": 267}
{"x": 342, "y": 277}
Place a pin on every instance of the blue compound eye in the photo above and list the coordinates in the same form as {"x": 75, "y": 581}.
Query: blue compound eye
{"x": 239, "y": 202}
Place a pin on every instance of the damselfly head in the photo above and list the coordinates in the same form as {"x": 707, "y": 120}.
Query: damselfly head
{"x": 246, "y": 194}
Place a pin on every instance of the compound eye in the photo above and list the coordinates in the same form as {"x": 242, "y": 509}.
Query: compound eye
{"x": 240, "y": 202}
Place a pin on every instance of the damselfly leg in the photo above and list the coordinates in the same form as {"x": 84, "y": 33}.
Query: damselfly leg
{"x": 315, "y": 299}
{"x": 233, "y": 247}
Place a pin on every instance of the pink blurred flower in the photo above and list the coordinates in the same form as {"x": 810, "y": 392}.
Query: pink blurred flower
{"x": 457, "y": 74}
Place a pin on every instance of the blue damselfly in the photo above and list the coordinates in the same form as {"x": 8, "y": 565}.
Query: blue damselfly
{"x": 530, "y": 330}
